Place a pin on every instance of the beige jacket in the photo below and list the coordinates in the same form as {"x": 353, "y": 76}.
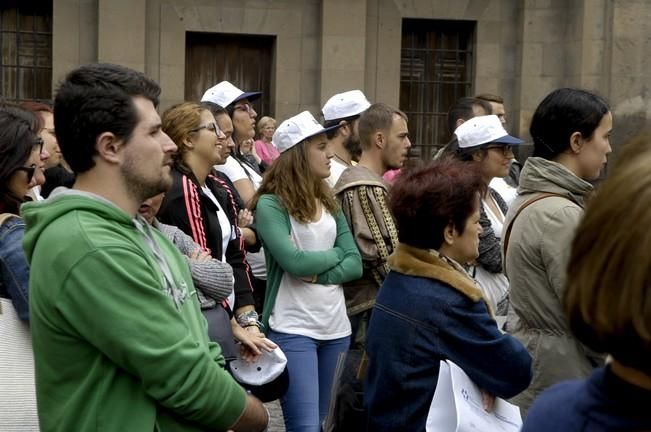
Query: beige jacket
{"x": 536, "y": 261}
{"x": 355, "y": 184}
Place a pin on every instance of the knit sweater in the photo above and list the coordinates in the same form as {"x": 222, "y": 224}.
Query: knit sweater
{"x": 212, "y": 278}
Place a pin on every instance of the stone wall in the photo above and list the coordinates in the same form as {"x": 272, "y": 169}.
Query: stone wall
{"x": 524, "y": 48}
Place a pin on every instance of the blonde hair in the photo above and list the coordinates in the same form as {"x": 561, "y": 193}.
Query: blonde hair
{"x": 179, "y": 122}
{"x": 263, "y": 122}
{"x": 294, "y": 183}
{"x": 608, "y": 295}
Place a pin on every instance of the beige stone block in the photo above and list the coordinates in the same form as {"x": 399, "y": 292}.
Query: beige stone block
{"x": 342, "y": 52}
{"x": 630, "y": 18}
{"x": 477, "y": 10}
{"x": 627, "y": 57}
{"x": 311, "y": 52}
{"x": 288, "y": 85}
{"x": 337, "y": 81}
{"x": 489, "y": 59}
{"x": 489, "y": 32}
{"x": 532, "y": 59}
{"x": 423, "y": 9}
{"x": 288, "y": 52}
{"x": 129, "y": 17}
{"x": 172, "y": 82}
{"x": 557, "y": 59}
{"x": 343, "y": 18}
{"x": 310, "y": 88}
{"x": 544, "y": 25}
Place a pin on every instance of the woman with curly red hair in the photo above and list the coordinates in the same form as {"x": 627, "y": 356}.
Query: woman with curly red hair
{"x": 429, "y": 309}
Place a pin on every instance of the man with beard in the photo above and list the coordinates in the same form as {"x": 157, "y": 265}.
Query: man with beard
{"x": 362, "y": 194}
{"x": 345, "y": 109}
{"x": 119, "y": 341}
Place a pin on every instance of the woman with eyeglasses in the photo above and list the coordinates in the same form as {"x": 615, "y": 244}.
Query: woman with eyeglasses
{"x": 21, "y": 168}
{"x": 57, "y": 171}
{"x": 244, "y": 174}
{"x": 484, "y": 142}
{"x": 203, "y": 206}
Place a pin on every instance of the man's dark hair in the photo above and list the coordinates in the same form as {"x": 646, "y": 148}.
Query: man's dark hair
{"x": 563, "y": 112}
{"x": 215, "y": 109}
{"x": 490, "y": 97}
{"x": 331, "y": 134}
{"x": 378, "y": 117}
{"x": 94, "y": 99}
{"x": 462, "y": 109}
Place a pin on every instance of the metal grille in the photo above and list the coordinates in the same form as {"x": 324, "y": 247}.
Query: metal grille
{"x": 436, "y": 69}
{"x": 26, "y": 56}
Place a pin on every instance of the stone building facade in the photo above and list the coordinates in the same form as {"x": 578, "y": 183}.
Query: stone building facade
{"x": 520, "y": 49}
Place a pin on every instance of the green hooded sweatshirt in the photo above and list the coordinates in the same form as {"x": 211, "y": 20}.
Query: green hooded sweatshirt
{"x": 116, "y": 347}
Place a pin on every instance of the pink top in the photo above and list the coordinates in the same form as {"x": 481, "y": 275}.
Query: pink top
{"x": 267, "y": 152}
{"x": 390, "y": 176}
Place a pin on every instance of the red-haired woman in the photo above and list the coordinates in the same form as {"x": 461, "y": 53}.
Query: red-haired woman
{"x": 429, "y": 309}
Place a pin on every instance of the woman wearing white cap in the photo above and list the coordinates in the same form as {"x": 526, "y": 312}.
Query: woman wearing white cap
{"x": 310, "y": 253}
{"x": 484, "y": 141}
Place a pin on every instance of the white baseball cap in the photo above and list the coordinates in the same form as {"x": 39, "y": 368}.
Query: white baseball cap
{"x": 483, "y": 130}
{"x": 225, "y": 93}
{"x": 266, "y": 369}
{"x": 296, "y": 129}
{"x": 347, "y": 104}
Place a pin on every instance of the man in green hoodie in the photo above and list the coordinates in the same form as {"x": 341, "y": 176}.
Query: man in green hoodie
{"x": 119, "y": 341}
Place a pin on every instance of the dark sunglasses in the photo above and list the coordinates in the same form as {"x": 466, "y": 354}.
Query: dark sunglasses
{"x": 506, "y": 149}
{"x": 29, "y": 170}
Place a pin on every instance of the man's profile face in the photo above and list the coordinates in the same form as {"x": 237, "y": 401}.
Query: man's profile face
{"x": 147, "y": 158}
{"x": 397, "y": 145}
{"x": 498, "y": 110}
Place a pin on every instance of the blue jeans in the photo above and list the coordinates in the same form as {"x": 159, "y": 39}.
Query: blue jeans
{"x": 311, "y": 365}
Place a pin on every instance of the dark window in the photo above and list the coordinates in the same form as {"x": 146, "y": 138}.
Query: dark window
{"x": 244, "y": 60}
{"x": 26, "y": 41}
{"x": 436, "y": 69}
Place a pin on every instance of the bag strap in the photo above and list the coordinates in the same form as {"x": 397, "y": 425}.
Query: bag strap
{"x": 507, "y": 234}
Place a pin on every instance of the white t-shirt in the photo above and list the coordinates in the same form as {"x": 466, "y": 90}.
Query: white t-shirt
{"x": 336, "y": 169}
{"x": 236, "y": 171}
{"x": 307, "y": 309}
{"x": 227, "y": 231}
{"x": 495, "y": 286}
{"x": 506, "y": 191}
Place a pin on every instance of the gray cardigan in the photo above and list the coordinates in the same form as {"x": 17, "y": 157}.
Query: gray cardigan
{"x": 213, "y": 278}
{"x": 490, "y": 250}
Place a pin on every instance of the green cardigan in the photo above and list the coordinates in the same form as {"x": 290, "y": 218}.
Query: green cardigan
{"x": 337, "y": 265}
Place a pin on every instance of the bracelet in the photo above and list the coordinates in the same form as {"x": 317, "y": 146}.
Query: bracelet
{"x": 248, "y": 317}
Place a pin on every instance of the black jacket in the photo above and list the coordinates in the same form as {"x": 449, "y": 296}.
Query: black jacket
{"x": 188, "y": 208}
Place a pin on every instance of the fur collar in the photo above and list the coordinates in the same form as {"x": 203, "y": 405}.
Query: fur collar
{"x": 423, "y": 263}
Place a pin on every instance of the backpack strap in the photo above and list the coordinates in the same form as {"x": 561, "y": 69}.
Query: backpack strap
{"x": 507, "y": 233}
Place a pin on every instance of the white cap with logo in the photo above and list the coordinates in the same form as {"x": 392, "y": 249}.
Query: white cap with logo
{"x": 225, "y": 93}
{"x": 347, "y": 104}
{"x": 296, "y": 129}
{"x": 483, "y": 130}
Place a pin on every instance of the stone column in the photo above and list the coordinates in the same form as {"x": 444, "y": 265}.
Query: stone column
{"x": 121, "y": 32}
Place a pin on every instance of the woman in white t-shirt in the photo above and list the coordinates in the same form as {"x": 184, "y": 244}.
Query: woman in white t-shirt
{"x": 484, "y": 141}
{"x": 310, "y": 253}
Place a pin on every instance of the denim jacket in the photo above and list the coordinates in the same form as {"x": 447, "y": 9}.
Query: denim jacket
{"x": 14, "y": 270}
{"x": 429, "y": 310}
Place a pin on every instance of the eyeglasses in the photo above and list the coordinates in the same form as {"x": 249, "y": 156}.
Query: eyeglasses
{"x": 506, "y": 149}
{"x": 29, "y": 170}
{"x": 245, "y": 107}
{"x": 211, "y": 127}
{"x": 38, "y": 141}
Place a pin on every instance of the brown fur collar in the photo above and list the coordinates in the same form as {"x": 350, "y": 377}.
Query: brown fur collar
{"x": 419, "y": 262}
